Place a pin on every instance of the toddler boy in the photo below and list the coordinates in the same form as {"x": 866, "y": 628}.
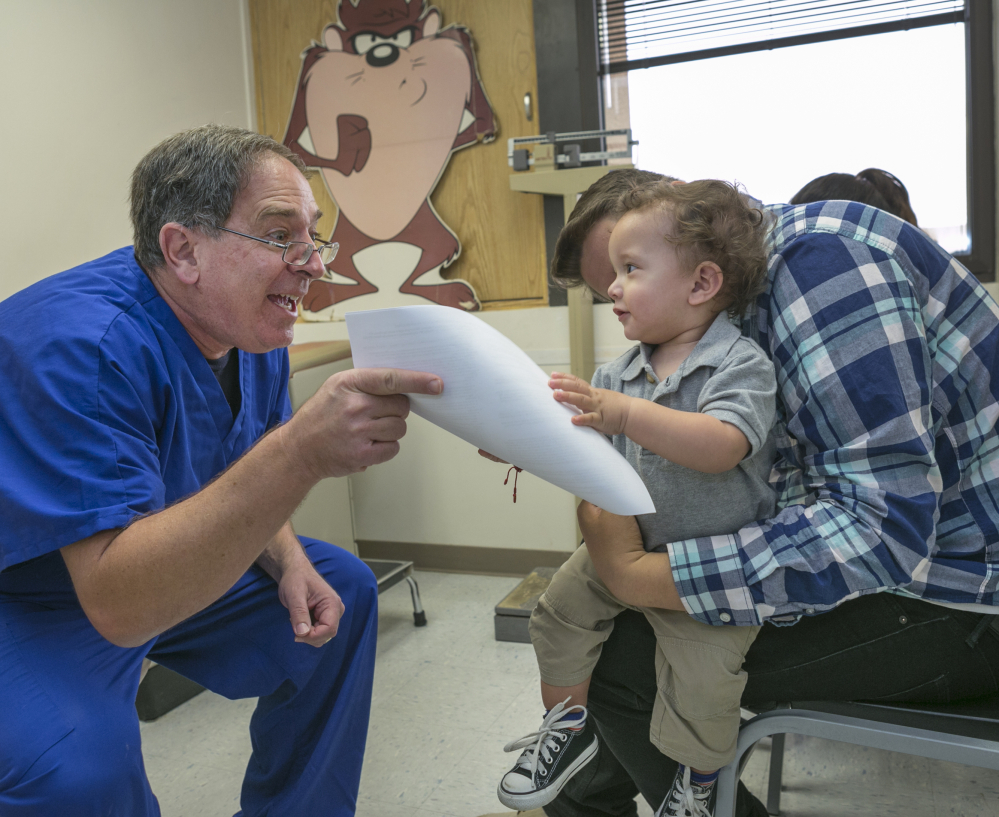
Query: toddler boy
{"x": 692, "y": 409}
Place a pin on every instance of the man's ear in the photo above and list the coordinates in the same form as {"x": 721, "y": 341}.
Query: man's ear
{"x": 706, "y": 282}
{"x": 179, "y": 257}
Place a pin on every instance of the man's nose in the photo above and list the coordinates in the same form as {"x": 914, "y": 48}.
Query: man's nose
{"x": 314, "y": 267}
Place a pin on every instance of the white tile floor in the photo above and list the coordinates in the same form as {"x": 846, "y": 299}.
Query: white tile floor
{"x": 448, "y": 696}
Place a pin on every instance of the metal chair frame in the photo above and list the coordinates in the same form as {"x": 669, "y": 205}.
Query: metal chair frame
{"x": 966, "y": 732}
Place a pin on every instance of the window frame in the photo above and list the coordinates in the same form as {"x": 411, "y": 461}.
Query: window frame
{"x": 557, "y": 67}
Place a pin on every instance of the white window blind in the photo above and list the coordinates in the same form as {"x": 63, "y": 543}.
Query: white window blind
{"x": 645, "y": 33}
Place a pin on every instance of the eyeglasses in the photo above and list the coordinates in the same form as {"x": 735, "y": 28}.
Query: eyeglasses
{"x": 298, "y": 253}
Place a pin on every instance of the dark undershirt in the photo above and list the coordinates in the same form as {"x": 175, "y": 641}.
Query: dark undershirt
{"x": 226, "y": 371}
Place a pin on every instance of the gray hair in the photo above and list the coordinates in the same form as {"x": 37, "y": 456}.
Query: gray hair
{"x": 193, "y": 178}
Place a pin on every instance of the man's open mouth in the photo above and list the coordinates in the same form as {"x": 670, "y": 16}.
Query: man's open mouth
{"x": 289, "y": 303}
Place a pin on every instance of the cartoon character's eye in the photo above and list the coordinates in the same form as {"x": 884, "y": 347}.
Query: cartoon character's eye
{"x": 403, "y": 39}
{"x": 363, "y": 43}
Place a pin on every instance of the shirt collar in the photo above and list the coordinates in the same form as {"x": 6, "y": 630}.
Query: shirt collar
{"x": 160, "y": 311}
{"x": 710, "y": 350}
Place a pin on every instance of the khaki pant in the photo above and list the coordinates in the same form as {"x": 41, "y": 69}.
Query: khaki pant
{"x": 699, "y": 673}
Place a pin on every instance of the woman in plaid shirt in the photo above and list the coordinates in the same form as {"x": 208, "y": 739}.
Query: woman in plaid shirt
{"x": 884, "y": 553}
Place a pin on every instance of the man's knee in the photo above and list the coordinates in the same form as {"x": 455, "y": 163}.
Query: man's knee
{"x": 82, "y": 775}
{"x": 361, "y": 577}
{"x": 347, "y": 574}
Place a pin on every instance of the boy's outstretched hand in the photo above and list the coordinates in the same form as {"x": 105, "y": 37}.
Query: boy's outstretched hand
{"x": 604, "y": 410}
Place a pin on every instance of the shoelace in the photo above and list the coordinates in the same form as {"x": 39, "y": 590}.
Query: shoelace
{"x": 540, "y": 744}
{"x": 682, "y": 795}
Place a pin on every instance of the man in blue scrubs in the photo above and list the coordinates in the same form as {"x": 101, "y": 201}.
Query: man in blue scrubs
{"x": 149, "y": 464}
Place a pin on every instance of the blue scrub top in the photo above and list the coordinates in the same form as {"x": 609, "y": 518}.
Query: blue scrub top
{"x": 108, "y": 409}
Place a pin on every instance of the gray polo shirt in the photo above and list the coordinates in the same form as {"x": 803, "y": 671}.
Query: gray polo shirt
{"x": 729, "y": 377}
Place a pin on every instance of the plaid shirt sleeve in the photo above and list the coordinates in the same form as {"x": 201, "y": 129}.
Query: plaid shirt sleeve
{"x": 851, "y": 322}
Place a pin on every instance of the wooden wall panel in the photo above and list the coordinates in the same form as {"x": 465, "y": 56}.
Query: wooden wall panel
{"x": 501, "y": 232}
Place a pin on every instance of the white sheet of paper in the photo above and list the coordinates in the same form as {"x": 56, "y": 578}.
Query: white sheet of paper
{"x": 496, "y": 398}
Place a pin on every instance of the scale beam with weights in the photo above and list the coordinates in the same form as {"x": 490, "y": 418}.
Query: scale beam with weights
{"x": 541, "y": 167}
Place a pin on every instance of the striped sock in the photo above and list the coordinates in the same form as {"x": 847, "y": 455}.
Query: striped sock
{"x": 572, "y": 716}
{"x": 704, "y": 780}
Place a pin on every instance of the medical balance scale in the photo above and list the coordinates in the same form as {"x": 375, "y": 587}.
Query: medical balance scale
{"x": 541, "y": 167}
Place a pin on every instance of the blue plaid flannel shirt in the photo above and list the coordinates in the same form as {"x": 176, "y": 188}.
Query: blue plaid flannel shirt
{"x": 888, "y": 472}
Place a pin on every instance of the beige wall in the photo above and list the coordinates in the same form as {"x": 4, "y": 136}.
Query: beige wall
{"x": 88, "y": 88}
{"x": 439, "y": 491}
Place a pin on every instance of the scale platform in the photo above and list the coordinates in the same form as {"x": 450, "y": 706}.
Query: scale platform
{"x": 514, "y": 611}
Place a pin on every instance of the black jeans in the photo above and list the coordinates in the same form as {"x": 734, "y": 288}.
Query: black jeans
{"x": 879, "y": 647}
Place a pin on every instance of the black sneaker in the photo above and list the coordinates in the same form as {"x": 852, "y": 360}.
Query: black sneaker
{"x": 552, "y": 755}
{"x": 687, "y": 798}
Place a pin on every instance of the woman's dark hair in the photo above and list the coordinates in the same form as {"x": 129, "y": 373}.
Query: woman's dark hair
{"x": 872, "y": 186}
{"x": 893, "y": 190}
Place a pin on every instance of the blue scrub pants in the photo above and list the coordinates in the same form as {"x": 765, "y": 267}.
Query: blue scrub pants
{"x": 69, "y": 734}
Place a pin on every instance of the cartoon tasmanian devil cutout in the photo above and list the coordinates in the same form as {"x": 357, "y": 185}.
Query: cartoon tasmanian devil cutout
{"x": 379, "y": 108}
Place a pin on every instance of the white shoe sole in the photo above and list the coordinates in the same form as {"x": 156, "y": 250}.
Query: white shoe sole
{"x": 536, "y": 799}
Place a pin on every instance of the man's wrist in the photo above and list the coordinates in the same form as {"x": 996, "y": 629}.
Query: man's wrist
{"x": 282, "y": 554}
{"x": 616, "y": 570}
{"x": 644, "y": 579}
{"x": 290, "y": 456}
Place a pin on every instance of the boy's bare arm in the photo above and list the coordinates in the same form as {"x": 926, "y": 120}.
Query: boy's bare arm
{"x": 688, "y": 438}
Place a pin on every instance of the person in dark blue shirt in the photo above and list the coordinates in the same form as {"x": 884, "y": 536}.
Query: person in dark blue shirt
{"x": 149, "y": 464}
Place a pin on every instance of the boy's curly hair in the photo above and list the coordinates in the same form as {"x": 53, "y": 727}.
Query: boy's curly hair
{"x": 711, "y": 220}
